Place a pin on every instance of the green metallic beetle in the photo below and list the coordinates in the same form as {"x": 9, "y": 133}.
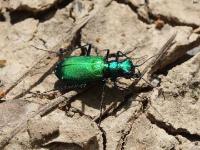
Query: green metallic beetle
{"x": 82, "y": 70}
{"x": 77, "y": 71}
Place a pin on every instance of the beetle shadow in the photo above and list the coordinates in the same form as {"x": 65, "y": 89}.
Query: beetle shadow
{"x": 89, "y": 101}
{"x": 92, "y": 96}
{"x": 61, "y": 86}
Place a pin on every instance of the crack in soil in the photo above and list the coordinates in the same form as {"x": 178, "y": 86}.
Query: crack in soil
{"x": 169, "y": 67}
{"x": 169, "y": 129}
{"x": 135, "y": 10}
{"x": 103, "y": 137}
{"x": 127, "y": 129}
{"x": 22, "y": 14}
{"x": 72, "y": 109}
{"x": 125, "y": 134}
{"x": 137, "y": 91}
{"x": 75, "y": 110}
{"x": 171, "y": 20}
{"x": 178, "y": 57}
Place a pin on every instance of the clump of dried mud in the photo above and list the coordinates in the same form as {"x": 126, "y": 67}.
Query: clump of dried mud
{"x": 141, "y": 117}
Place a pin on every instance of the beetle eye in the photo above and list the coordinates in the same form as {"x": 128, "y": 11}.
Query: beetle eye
{"x": 61, "y": 50}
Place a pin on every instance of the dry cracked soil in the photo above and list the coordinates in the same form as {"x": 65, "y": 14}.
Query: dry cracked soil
{"x": 160, "y": 111}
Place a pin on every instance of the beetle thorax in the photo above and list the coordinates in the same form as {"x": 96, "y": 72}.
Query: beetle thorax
{"x": 120, "y": 69}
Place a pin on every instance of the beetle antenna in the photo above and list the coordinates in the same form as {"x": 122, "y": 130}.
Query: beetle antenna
{"x": 162, "y": 50}
{"x": 148, "y": 82}
{"x": 101, "y": 102}
{"x": 146, "y": 60}
{"x": 139, "y": 75}
{"x": 41, "y": 49}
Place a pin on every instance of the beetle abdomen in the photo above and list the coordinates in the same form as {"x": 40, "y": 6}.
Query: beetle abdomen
{"x": 80, "y": 69}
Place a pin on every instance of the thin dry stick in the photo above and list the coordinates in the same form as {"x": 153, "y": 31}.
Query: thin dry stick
{"x": 42, "y": 111}
{"x": 101, "y": 102}
{"x": 160, "y": 54}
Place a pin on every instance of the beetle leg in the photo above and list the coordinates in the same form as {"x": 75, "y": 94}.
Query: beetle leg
{"x": 102, "y": 99}
{"x": 88, "y": 50}
{"x": 122, "y": 54}
{"x": 85, "y": 49}
{"x": 116, "y": 55}
{"x": 107, "y": 54}
{"x": 138, "y": 74}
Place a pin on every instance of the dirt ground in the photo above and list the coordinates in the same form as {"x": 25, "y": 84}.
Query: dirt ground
{"x": 38, "y": 112}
